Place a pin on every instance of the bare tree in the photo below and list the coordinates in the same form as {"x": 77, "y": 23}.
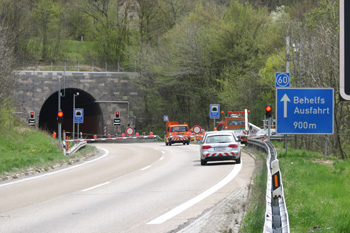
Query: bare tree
{"x": 315, "y": 63}
{"x": 7, "y": 79}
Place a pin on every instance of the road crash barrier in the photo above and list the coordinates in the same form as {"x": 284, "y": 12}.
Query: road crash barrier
{"x": 276, "y": 214}
{"x": 118, "y": 139}
{"x": 75, "y": 148}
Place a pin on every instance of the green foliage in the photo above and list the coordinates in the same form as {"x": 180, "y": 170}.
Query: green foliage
{"x": 327, "y": 15}
{"x": 46, "y": 15}
{"x": 242, "y": 42}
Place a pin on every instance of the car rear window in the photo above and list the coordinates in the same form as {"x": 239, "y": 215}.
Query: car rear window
{"x": 219, "y": 139}
{"x": 179, "y": 129}
{"x": 235, "y": 122}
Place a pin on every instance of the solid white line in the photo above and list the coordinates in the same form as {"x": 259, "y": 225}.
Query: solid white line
{"x": 179, "y": 209}
{"x": 96, "y": 186}
{"x": 58, "y": 171}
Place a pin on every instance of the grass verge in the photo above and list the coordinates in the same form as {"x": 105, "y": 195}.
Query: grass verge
{"x": 23, "y": 149}
{"x": 254, "y": 218}
{"x": 317, "y": 191}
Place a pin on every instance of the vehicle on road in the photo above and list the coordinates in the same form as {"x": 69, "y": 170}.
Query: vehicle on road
{"x": 237, "y": 121}
{"x": 177, "y": 133}
{"x": 219, "y": 146}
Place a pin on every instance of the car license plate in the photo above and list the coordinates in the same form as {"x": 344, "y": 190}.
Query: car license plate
{"x": 219, "y": 149}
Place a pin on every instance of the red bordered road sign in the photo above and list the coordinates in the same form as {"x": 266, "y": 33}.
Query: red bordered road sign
{"x": 197, "y": 129}
{"x": 130, "y": 131}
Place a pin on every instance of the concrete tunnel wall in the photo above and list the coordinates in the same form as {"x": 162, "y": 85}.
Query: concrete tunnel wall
{"x": 100, "y": 95}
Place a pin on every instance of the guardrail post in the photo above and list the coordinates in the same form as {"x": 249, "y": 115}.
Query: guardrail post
{"x": 276, "y": 179}
{"x": 64, "y": 143}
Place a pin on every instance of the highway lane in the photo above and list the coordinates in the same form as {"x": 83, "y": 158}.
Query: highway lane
{"x": 126, "y": 188}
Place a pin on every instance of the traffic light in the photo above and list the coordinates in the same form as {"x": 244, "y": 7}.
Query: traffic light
{"x": 32, "y": 115}
{"x": 268, "y": 111}
{"x": 60, "y": 116}
{"x": 117, "y": 115}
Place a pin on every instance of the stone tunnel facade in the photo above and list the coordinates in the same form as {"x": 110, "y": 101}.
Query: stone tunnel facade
{"x": 101, "y": 95}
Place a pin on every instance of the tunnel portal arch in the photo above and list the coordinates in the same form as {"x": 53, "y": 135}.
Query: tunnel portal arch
{"x": 93, "y": 116}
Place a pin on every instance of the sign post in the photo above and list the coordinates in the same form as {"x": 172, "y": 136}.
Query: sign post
{"x": 214, "y": 112}
{"x": 78, "y": 118}
{"x": 305, "y": 110}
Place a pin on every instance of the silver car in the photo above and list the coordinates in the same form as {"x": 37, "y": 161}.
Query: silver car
{"x": 219, "y": 146}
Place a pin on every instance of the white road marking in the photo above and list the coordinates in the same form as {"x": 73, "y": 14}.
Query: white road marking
{"x": 58, "y": 171}
{"x": 96, "y": 186}
{"x": 179, "y": 209}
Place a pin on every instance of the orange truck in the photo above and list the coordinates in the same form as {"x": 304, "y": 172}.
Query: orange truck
{"x": 238, "y": 122}
{"x": 177, "y": 133}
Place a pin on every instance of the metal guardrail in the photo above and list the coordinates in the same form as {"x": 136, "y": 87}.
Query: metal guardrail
{"x": 118, "y": 139}
{"x": 76, "y": 147}
{"x": 276, "y": 214}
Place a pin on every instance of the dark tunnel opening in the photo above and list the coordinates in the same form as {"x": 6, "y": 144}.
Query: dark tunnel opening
{"x": 93, "y": 117}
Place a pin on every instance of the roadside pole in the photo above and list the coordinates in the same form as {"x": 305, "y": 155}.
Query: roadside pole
{"x": 269, "y": 129}
{"x": 59, "y": 109}
{"x": 287, "y": 71}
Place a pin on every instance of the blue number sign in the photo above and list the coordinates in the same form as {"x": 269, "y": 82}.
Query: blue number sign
{"x": 282, "y": 79}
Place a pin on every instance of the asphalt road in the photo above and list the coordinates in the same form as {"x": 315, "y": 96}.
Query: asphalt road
{"x": 145, "y": 187}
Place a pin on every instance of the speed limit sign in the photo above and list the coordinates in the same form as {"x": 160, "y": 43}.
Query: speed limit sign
{"x": 197, "y": 129}
{"x": 130, "y": 131}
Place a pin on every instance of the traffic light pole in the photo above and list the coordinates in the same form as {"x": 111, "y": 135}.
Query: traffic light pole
{"x": 269, "y": 129}
{"x": 59, "y": 109}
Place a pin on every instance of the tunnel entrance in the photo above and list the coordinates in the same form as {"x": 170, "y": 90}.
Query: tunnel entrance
{"x": 93, "y": 117}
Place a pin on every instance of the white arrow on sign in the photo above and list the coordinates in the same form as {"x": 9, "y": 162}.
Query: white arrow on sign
{"x": 285, "y": 99}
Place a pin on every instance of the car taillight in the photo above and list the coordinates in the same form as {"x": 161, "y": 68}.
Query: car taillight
{"x": 233, "y": 145}
{"x": 175, "y": 134}
{"x": 206, "y": 147}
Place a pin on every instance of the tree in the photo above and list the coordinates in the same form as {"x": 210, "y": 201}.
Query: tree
{"x": 7, "y": 78}
{"x": 15, "y": 15}
{"x": 241, "y": 43}
{"x": 46, "y": 15}
{"x": 179, "y": 70}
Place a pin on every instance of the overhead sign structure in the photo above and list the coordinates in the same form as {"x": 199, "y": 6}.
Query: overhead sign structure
{"x": 304, "y": 110}
{"x": 214, "y": 111}
{"x": 79, "y": 115}
{"x": 282, "y": 79}
{"x": 344, "y": 18}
